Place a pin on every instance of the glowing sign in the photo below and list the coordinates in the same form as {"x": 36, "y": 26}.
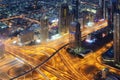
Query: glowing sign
{"x": 103, "y": 35}
{"x": 90, "y": 40}
{"x": 90, "y": 24}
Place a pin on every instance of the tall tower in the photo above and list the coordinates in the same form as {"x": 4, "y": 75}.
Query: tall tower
{"x": 75, "y": 35}
{"x": 118, "y": 5}
{"x": 75, "y": 9}
{"x": 110, "y": 13}
{"x": 103, "y": 5}
{"x": 64, "y": 18}
{"x": 117, "y": 37}
{"x": 44, "y": 29}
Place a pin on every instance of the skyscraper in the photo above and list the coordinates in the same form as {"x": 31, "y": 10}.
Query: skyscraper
{"x": 75, "y": 9}
{"x": 118, "y": 5}
{"x": 110, "y": 13}
{"x": 64, "y": 18}
{"x": 104, "y": 8}
{"x": 44, "y": 29}
{"x": 75, "y": 35}
{"x": 117, "y": 37}
{"x": 104, "y": 5}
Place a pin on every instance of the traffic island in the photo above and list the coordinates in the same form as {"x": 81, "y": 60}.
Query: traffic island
{"x": 80, "y": 52}
{"x": 17, "y": 70}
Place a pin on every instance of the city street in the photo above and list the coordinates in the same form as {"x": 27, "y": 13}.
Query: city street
{"x": 59, "y": 39}
{"x": 36, "y": 54}
{"x": 9, "y": 62}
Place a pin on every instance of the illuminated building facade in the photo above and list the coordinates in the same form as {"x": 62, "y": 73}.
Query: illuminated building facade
{"x": 53, "y": 28}
{"x": 104, "y": 5}
{"x": 118, "y": 6}
{"x": 110, "y": 12}
{"x": 26, "y": 37}
{"x": 107, "y": 10}
{"x": 75, "y": 35}
{"x": 49, "y": 29}
{"x": 75, "y": 8}
{"x": 64, "y": 18}
{"x": 44, "y": 30}
{"x": 117, "y": 37}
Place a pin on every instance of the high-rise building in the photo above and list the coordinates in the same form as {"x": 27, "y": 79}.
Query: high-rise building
{"x": 104, "y": 5}
{"x": 117, "y": 37}
{"x": 118, "y": 5}
{"x": 75, "y": 9}
{"x": 64, "y": 18}
{"x": 75, "y": 35}
{"x": 110, "y": 13}
{"x": 100, "y": 3}
{"x": 44, "y": 29}
{"x": 107, "y": 10}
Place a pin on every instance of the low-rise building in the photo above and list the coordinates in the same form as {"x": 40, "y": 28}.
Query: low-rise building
{"x": 26, "y": 37}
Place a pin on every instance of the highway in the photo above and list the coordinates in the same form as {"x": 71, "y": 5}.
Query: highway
{"x": 80, "y": 68}
{"x": 7, "y": 64}
{"x": 65, "y": 66}
{"x": 61, "y": 66}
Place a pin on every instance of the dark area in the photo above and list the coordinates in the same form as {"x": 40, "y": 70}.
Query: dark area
{"x": 109, "y": 54}
{"x": 100, "y": 41}
{"x": 90, "y": 69}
